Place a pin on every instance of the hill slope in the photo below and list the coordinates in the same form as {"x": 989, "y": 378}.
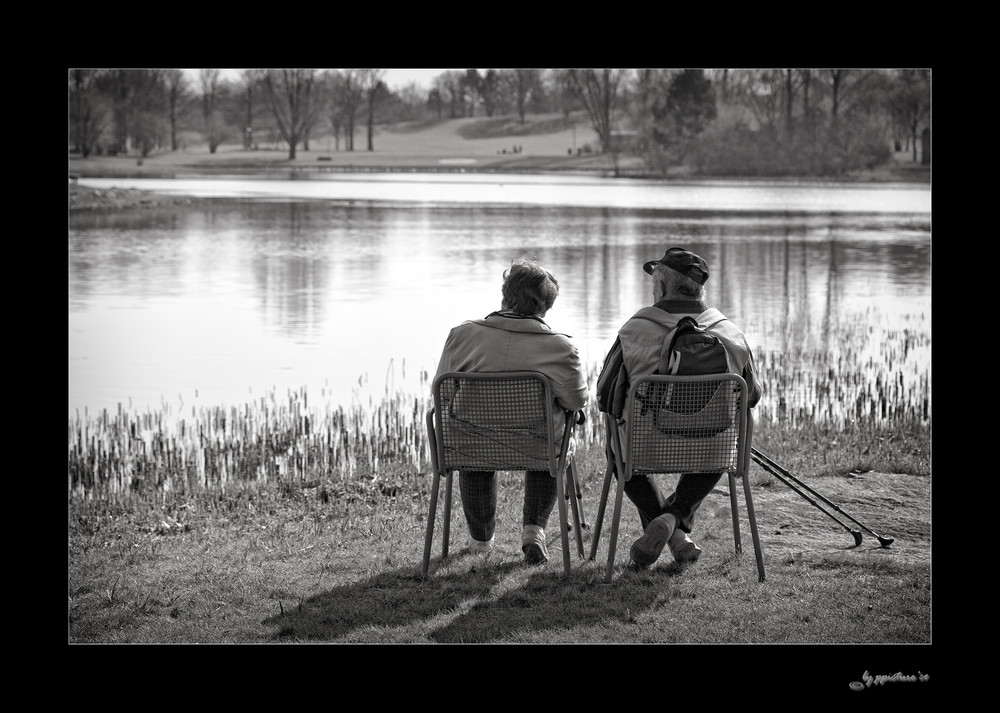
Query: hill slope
{"x": 543, "y": 143}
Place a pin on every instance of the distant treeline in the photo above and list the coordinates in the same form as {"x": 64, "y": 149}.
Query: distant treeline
{"x": 713, "y": 122}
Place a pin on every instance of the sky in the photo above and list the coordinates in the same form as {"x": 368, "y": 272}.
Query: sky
{"x": 394, "y": 78}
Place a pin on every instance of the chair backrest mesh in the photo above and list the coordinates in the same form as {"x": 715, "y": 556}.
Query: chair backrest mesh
{"x": 684, "y": 424}
{"x": 494, "y": 422}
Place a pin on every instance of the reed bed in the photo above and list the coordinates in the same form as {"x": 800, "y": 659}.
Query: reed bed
{"x": 149, "y": 456}
{"x": 855, "y": 382}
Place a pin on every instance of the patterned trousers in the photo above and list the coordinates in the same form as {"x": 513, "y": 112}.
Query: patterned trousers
{"x": 479, "y": 500}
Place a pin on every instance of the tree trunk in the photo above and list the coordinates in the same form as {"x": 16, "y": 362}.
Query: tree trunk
{"x": 925, "y": 140}
{"x": 788, "y": 98}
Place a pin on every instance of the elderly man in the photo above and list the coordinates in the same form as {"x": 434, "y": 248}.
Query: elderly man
{"x": 678, "y": 280}
{"x": 516, "y": 338}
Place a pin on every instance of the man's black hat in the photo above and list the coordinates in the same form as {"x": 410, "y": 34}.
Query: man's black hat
{"x": 684, "y": 262}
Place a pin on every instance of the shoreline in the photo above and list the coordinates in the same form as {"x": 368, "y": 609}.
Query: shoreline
{"x": 83, "y": 198}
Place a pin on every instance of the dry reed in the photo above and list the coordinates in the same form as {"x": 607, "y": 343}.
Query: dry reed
{"x": 152, "y": 455}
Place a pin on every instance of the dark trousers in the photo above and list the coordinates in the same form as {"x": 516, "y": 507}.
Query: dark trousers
{"x": 649, "y": 500}
{"x": 479, "y": 500}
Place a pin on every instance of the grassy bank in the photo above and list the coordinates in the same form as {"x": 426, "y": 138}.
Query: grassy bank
{"x": 305, "y": 561}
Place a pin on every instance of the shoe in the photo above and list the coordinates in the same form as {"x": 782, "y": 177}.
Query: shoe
{"x": 480, "y": 547}
{"x": 683, "y": 547}
{"x": 533, "y": 545}
{"x": 647, "y": 548}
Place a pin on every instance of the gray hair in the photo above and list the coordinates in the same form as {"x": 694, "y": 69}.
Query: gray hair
{"x": 528, "y": 288}
{"x": 677, "y": 286}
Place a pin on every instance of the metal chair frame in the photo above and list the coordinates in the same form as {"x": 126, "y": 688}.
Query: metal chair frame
{"x": 446, "y": 463}
{"x": 738, "y": 468}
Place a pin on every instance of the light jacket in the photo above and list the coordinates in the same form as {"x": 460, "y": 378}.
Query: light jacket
{"x": 504, "y": 341}
{"x": 638, "y": 347}
{"x": 642, "y": 338}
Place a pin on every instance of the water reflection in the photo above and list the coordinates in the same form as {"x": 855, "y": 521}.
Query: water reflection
{"x": 222, "y": 303}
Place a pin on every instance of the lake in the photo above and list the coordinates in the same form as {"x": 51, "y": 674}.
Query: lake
{"x": 347, "y": 285}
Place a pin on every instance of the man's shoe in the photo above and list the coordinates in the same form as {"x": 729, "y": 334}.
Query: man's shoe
{"x": 533, "y": 545}
{"x": 683, "y": 547}
{"x": 647, "y": 548}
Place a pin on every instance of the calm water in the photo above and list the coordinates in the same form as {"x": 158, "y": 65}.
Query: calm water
{"x": 348, "y": 286}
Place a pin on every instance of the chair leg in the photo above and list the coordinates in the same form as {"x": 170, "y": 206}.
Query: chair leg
{"x": 446, "y": 525}
{"x": 601, "y": 507}
{"x": 573, "y": 493}
{"x": 579, "y": 498}
{"x": 563, "y": 522}
{"x": 736, "y": 513}
{"x": 753, "y": 527}
{"x": 431, "y": 515}
{"x": 615, "y": 518}
{"x": 745, "y": 472}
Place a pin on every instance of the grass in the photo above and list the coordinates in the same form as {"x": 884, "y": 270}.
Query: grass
{"x": 300, "y": 565}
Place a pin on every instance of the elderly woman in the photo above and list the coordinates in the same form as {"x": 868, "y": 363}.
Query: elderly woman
{"x": 516, "y": 338}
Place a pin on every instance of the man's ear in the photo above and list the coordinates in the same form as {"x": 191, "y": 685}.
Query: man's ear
{"x": 658, "y": 291}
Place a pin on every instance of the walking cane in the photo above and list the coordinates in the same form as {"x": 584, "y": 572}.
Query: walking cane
{"x": 774, "y": 469}
{"x": 769, "y": 469}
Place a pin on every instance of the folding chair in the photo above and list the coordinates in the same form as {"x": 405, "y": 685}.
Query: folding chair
{"x": 500, "y": 421}
{"x": 681, "y": 424}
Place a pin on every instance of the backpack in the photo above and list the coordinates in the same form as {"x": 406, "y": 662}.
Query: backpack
{"x": 689, "y": 349}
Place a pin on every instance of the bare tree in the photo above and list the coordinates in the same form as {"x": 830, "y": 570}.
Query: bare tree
{"x": 472, "y": 88}
{"x": 760, "y": 91}
{"x": 806, "y": 78}
{"x": 525, "y": 84}
{"x": 348, "y": 95}
{"x": 723, "y": 83}
{"x": 291, "y": 96}
{"x": 647, "y": 87}
{"x": 178, "y": 101}
{"x": 490, "y": 91}
{"x": 133, "y": 95}
{"x": 119, "y": 92}
{"x": 336, "y": 117}
{"x": 374, "y": 90}
{"x": 910, "y": 102}
{"x": 434, "y": 102}
{"x": 414, "y": 99}
{"x": 789, "y": 96}
{"x": 564, "y": 88}
{"x": 449, "y": 84}
{"x": 87, "y": 115}
{"x": 209, "y": 81}
{"x": 599, "y": 90}
{"x": 249, "y": 98}
{"x": 845, "y": 86}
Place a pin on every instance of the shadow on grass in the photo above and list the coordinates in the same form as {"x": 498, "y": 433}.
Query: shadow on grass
{"x": 561, "y": 609}
{"x": 464, "y": 600}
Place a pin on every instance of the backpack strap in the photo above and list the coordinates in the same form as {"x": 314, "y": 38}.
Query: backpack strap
{"x": 712, "y": 316}
{"x": 685, "y": 324}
